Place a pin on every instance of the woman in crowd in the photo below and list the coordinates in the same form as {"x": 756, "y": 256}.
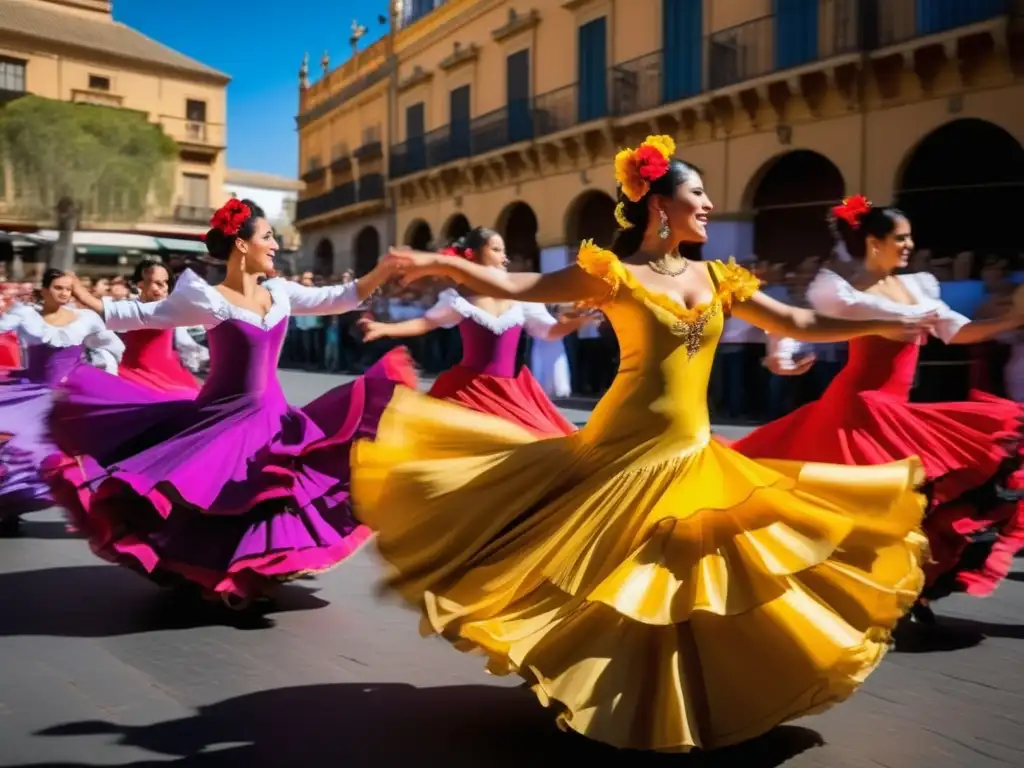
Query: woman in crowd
{"x": 234, "y": 490}
{"x": 969, "y": 450}
{"x": 486, "y": 379}
{"x": 55, "y": 337}
{"x": 156, "y": 357}
{"x": 659, "y": 590}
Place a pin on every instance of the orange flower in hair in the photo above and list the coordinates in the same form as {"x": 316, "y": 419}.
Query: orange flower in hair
{"x": 852, "y": 210}
{"x": 636, "y": 169}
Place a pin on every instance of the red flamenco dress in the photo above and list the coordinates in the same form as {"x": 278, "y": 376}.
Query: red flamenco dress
{"x": 486, "y": 380}
{"x": 969, "y": 449}
{"x": 10, "y": 352}
{"x": 152, "y": 361}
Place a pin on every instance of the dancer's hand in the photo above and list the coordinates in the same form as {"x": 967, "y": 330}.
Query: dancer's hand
{"x": 783, "y": 367}
{"x": 417, "y": 265}
{"x": 372, "y": 330}
{"x": 912, "y": 329}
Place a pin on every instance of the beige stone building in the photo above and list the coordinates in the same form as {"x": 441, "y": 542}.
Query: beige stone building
{"x": 508, "y": 114}
{"x": 74, "y": 50}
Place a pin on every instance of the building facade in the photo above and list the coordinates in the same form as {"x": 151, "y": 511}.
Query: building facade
{"x": 74, "y": 50}
{"x": 343, "y": 213}
{"x": 508, "y": 115}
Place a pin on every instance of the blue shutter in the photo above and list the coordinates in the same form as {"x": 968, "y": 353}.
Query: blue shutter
{"x": 940, "y": 15}
{"x": 796, "y": 32}
{"x": 682, "y": 52}
{"x": 592, "y": 95}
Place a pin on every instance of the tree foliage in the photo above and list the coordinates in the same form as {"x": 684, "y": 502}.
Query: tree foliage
{"x": 106, "y": 162}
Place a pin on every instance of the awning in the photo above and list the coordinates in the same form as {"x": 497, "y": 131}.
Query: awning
{"x": 179, "y": 245}
{"x": 107, "y": 243}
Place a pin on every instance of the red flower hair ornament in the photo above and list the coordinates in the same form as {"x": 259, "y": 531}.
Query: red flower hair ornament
{"x": 465, "y": 253}
{"x": 852, "y": 210}
{"x": 230, "y": 217}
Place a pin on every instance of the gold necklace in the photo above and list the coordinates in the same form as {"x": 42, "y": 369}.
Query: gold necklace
{"x": 661, "y": 269}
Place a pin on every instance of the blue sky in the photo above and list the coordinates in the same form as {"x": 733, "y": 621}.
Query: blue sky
{"x": 259, "y": 43}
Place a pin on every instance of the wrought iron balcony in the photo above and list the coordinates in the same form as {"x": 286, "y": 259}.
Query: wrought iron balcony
{"x": 193, "y": 214}
{"x": 371, "y": 187}
{"x": 341, "y": 196}
{"x": 372, "y": 150}
{"x": 898, "y": 21}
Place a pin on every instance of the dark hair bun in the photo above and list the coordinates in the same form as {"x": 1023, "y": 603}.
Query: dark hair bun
{"x": 220, "y": 244}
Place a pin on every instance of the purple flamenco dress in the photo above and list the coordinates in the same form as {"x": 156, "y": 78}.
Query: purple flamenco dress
{"x": 26, "y": 397}
{"x": 235, "y": 490}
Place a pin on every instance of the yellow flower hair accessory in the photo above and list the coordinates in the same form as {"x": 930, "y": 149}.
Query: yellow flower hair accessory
{"x": 635, "y": 169}
{"x": 620, "y": 216}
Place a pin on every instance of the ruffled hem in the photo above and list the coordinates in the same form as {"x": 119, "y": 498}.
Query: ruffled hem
{"x": 290, "y": 515}
{"x": 646, "y": 591}
{"x": 519, "y": 399}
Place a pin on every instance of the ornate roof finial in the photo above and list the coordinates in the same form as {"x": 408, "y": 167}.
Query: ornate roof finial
{"x": 358, "y": 30}
{"x": 325, "y": 62}
{"x": 304, "y": 71}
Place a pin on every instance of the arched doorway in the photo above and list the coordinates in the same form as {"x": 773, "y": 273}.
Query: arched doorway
{"x": 457, "y": 226}
{"x": 518, "y": 225}
{"x": 367, "y": 249}
{"x": 791, "y": 198}
{"x": 963, "y": 188}
{"x": 323, "y": 259}
{"x": 591, "y": 216}
{"x": 419, "y": 236}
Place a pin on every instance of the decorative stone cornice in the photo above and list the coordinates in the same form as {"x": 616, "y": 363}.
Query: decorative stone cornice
{"x": 516, "y": 24}
{"x": 460, "y": 55}
{"x": 418, "y": 76}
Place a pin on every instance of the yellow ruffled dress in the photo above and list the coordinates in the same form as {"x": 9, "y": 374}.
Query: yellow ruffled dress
{"x": 659, "y": 590}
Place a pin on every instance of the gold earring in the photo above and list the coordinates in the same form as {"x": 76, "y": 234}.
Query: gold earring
{"x": 663, "y": 230}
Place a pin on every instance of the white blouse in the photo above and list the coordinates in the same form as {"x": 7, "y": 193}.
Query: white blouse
{"x": 832, "y": 296}
{"x": 86, "y": 329}
{"x": 452, "y": 308}
{"x": 195, "y": 302}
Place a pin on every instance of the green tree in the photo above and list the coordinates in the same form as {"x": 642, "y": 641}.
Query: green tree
{"x": 73, "y": 161}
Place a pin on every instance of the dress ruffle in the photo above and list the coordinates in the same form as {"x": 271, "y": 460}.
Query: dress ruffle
{"x": 643, "y": 594}
{"x": 227, "y": 493}
{"x": 519, "y": 399}
{"x": 24, "y": 443}
{"x": 970, "y": 452}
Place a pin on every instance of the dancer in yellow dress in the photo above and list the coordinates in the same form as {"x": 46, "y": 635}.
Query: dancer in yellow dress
{"x": 657, "y": 589}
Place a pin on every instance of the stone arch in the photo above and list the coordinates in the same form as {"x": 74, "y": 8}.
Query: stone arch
{"x": 323, "y": 258}
{"x": 790, "y": 197}
{"x": 591, "y": 216}
{"x": 518, "y": 225}
{"x": 962, "y": 186}
{"x": 457, "y": 226}
{"x": 419, "y": 235}
{"x": 367, "y": 249}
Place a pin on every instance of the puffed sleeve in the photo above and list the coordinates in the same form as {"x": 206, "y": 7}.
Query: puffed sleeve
{"x": 445, "y": 312}
{"x": 830, "y": 295}
{"x": 191, "y": 352}
{"x": 735, "y": 283}
{"x": 538, "y": 321}
{"x": 106, "y": 349}
{"x": 328, "y": 300}
{"x": 193, "y": 302}
{"x": 950, "y": 321}
{"x": 12, "y": 319}
{"x": 603, "y": 264}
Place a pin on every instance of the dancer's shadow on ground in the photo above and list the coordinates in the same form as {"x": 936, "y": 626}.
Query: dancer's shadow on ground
{"x": 395, "y": 724}
{"x": 45, "y": 530}
{"x": 105, "y": 601}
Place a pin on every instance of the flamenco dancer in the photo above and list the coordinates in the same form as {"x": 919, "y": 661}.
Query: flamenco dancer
{"x": 153, "y": 356}
{"x": 968, "y": 449}
{"x": 55, "y": 337}
{"x": 234, "y": 490}
{"x": 638, "y": 574}
{"x": 486, "y": 379}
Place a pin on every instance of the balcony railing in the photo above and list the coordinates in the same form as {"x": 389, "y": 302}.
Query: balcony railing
{"x": 194, "y": 132}
{"x": 341, "y": 196}
{"x": 817, "y": 30}
{"x": 371, "y": 187}
{"x": 372, "y": 150}
{"x": 901, "y": 20}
